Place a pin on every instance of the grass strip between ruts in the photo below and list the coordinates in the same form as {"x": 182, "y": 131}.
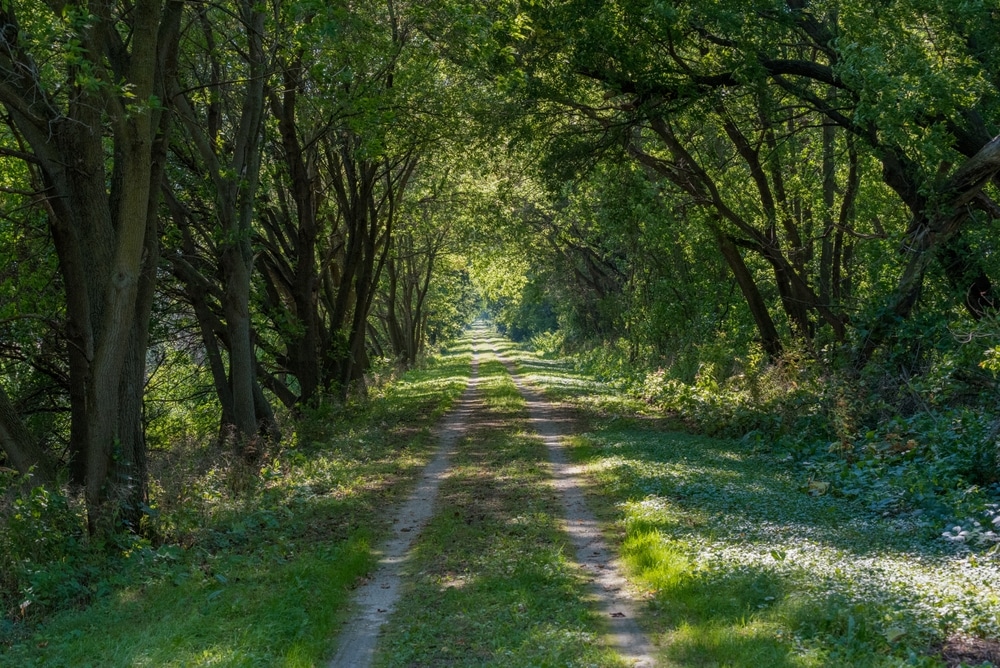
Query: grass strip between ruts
{"x": 490, "y": 579}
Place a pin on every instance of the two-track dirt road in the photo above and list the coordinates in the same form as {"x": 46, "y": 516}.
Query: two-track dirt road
{"x": 375, "y": 600}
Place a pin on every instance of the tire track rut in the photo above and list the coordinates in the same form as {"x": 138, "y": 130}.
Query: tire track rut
{"x": 375, "y": 599}
{"x": 608, "y": 586}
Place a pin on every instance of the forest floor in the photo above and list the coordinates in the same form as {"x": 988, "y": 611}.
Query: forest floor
{"x": 746, "y": 561}
{"x": 408, "y": 533}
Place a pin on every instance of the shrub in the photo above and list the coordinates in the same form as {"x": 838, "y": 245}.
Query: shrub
{"x": 45, "y": 558}
{"x": 918, "y": 442}
{"x": 549, "y": 343}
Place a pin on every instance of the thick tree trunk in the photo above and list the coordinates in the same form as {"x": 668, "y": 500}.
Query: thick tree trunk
{"x": 242, "y": 376}
{"x": 101, "y": 223}
{"x": 130, "y": 473}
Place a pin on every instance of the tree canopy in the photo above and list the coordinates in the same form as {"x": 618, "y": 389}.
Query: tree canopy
{"x": 244, "y": 209}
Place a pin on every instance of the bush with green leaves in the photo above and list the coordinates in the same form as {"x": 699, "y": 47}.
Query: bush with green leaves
{"x": 44, "y": 556}
{"x": 916, "y": 442}
{"x": 933, "y": 468}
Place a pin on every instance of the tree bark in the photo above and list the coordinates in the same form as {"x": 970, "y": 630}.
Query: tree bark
{"x": 931, "y": 231}
{"x": 234, "y": 172}
{"x": 102, "y": 235}
{"x": 769, "y": 338}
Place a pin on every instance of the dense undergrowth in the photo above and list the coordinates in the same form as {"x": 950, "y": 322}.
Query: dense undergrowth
{"x": 777, "y": 516}
{"x": 229, "y": 569}
{"x": 923, "y": 449}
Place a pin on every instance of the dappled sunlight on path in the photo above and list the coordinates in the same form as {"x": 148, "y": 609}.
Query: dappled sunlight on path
{"x": 609, "y": 587}
{"x": 379, "y": 595}
{"x": 742, "y": 560}
{"x": 376, "y": 597}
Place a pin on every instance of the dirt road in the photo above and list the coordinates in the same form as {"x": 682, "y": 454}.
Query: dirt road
{"x": 375, "y": 600}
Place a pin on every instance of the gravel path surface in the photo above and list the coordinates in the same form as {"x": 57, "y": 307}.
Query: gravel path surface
{"x": 608, "y": 586}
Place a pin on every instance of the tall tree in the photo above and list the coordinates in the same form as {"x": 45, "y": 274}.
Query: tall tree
{"x": 94, "y": 122}
{"x": 341, "y": 169}
{"x": 220, "y": 101}
{"x": 707, "y": 81}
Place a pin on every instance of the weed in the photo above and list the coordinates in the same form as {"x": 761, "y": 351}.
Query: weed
{"x": 249, "y": 567}
{"x": 746, "y": 563}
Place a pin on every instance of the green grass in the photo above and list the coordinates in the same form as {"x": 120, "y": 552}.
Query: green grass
{"x": 744, "y": 567}
{"x": 257, "y": 569}
{"x": 490, "y": 579}
{"x": 226, "y": 611}
{"x": 740, "y": 564}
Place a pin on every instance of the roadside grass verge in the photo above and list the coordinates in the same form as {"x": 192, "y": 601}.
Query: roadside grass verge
{"x": 257, "y": 569}
{"x": 490, "y": 582}
{"x": 745, "y": 564}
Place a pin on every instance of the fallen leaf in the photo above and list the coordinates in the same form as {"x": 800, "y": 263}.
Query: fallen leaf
{"x": 817, "y": 488}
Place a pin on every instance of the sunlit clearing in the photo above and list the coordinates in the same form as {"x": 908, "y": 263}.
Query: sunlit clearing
{"x": 745, "y": 642}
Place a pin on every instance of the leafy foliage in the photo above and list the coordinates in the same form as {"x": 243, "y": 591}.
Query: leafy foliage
{"x": 232, "y": 574}
{"x": 749, "y": 557}
{"x": 772, "y": 221}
